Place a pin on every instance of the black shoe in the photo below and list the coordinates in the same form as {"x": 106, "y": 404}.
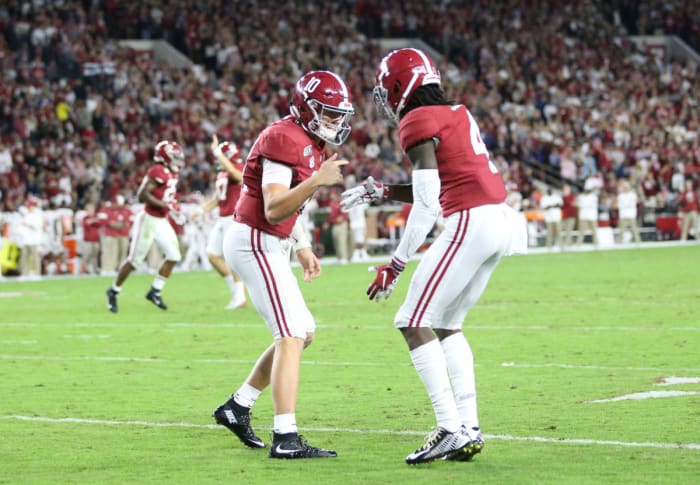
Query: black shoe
{"x": 438, "y": 444}
{"x": 153, "y": 295}
{"x": 471, "y": 449}
{"x": 237, "y": 418}
{"x": 112, "y": 300}
{"x": 292, "y": 445}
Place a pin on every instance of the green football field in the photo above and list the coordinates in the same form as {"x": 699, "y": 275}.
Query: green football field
{"x": 588, "y": 372}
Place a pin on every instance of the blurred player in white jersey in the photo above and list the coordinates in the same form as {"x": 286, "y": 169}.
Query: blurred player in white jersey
{"x": 228, "y": 189}
{"x": 452, "y": 172}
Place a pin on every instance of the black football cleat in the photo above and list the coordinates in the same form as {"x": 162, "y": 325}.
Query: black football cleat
{"x": 292, "y": 445}
{"x": 237, "y": 419}
{"x": 112, "y": 300}
{"x": 153, "y": 296}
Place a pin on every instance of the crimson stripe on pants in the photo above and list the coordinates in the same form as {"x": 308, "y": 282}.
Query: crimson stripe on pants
{"x": 270, "y": 283}
{"x": 440, "y": 271}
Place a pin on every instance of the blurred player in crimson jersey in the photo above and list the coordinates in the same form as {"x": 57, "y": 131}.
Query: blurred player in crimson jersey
{"x": 452, "y": 175}
{"x": 285, "y": 166}
{"x": 157, "y": 192}
{"x": 228, "y": 189}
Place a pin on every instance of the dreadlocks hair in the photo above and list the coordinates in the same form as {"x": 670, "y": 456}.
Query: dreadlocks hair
{"x": 430, "y": 94}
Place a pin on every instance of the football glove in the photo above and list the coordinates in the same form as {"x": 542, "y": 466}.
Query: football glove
{"x": 175, "y": 214}
{"x": 386, "y": 279}
{"x": 367, "y": 191}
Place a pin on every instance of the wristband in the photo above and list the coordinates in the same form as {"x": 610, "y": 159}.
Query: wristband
{"x": 397, "y": 264}
{"x": 298, "y": 236}
{"x": 299, "y": 245}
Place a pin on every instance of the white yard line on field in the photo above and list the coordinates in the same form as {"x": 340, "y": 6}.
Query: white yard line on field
{"x": 388, "y": 326}
{"x": 639, "y": 396}
{"x": 595, "y": 367}
{"x": 506, "y": 437}
{"x": 673, "y": 381}
{"x": 160, "y": 360}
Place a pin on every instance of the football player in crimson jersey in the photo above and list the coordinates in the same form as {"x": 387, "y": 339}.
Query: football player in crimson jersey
{"x": 157, "y": 192}
{"x": 228, "y": 188}
{"x": 284, "y": 168}
{"x": 453, "y": 175}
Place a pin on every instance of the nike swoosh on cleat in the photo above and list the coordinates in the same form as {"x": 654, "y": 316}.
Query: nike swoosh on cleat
{"x": 282, "y": 451}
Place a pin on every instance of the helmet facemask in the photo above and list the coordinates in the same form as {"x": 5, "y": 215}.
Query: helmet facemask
{"x": 177, "y": 158}
{"x": 329, "y": 123}
{"x": 381, "y": 102}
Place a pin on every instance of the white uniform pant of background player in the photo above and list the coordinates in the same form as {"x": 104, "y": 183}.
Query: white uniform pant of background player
{"x": 215, "y": 243}
{"x": 262, "y": 262}
{"x": 147, "y": 230}
{"x": 454, "y": 272}
{"x": 195, "y": 242}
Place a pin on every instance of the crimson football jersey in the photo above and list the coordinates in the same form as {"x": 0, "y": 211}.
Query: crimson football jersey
{"x": 166, "y": 186}
{"x": 227, "y": 191}
{"x": 120, "y": 214}
{"x": 284, "y": 142}
{"x": 468, "y": 178}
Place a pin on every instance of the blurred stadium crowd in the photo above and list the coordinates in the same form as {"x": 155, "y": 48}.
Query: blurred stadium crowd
{"x": 562, "y": 96}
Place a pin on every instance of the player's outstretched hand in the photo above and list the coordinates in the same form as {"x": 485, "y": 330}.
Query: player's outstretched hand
{"x": 329, "y": 172}
{"x": 367, "y": 191}
{"x": 386, "y": 279}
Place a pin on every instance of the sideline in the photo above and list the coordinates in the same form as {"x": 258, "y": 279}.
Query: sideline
{"x": 382, "y": 258}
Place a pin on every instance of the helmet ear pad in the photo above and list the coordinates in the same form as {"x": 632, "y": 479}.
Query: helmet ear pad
{"x": 397, "y": 88}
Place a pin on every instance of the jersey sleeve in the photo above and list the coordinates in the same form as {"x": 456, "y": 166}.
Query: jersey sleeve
{"x": 157, "y": 174}
{"x": 417, "y": 126}
{"x": 278, "y": 146}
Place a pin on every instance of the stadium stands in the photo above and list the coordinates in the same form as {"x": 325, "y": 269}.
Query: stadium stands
{"x": 560, "y": 92}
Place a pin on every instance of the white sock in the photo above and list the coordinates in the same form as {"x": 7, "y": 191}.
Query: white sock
{"x": 239, "y": 289}
{"x": 460, "y": 366}
{"x": 159, "y": 282}
{"x": 116, "y": 288}
{"x": 429, "y": 362}
{"x": 246, "y": 395}
{"x": 231, "y": 284}
{"x": 285, "y": 423}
